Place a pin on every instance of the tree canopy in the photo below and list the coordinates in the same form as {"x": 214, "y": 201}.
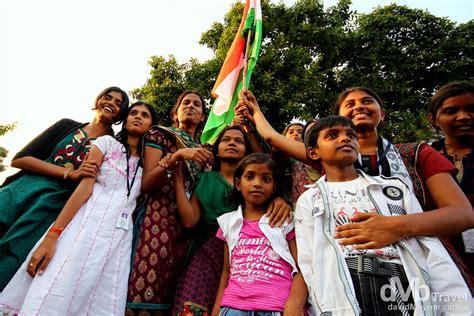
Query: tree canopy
{"x": 309, "y": 55}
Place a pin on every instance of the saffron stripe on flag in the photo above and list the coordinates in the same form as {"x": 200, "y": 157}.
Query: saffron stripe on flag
{"x": 229, "y": 82}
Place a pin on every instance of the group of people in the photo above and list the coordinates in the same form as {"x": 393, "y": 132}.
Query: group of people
{"x": 150, "y": 222}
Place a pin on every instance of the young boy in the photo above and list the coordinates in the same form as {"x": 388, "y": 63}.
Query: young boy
{"x": 414, "y": 276}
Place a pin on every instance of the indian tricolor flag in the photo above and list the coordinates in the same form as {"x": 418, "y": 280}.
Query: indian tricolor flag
{"x": 229, "y": 82}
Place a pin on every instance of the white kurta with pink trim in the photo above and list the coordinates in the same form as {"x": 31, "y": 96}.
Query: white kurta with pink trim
{"x": 88, "y": 274}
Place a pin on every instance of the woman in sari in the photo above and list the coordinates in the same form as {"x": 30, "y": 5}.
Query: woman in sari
{"x": 162, "y": 239}
{"x": 51, "y": 166}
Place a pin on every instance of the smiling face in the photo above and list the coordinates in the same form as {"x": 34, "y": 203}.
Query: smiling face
{"x": 139, "y": 120}
{"x": 190, "y": 110}
{"x": 232, "y": 145}
{"x": 336, "y": 145}
{"x": 108, "y": 106}
{"x": 455, "y": 118}
{"x": 256, "y": 184}
{"x": 363, "y": 109}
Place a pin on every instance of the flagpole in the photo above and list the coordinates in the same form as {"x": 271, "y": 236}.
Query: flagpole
{"x": 246, "y": 61}
{"x": 244, "y": 72}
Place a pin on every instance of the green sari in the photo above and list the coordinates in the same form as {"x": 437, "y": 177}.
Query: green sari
{"x": 31, "y": 203}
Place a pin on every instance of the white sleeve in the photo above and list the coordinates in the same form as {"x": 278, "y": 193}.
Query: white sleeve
{"x": 304, "y": 231}
{"x": 103, "y": 143}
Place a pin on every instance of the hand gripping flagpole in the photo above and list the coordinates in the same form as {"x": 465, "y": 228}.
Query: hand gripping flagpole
{"x": 246, "y": 65}
{"x": 246, "y": 60}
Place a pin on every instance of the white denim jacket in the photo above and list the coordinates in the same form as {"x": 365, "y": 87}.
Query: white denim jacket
{"x": 231, "y": 224}
{"x": 427, "y": 265}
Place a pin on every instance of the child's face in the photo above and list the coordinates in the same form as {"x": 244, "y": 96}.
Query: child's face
{"x": 336, "y": 145}
{"x": 362, "y": 109}
{"x": 256, "y": 184}
{"x": 295, "y": 132}
{"x": 232, "y": 145}
{"x": 455, "y": 117}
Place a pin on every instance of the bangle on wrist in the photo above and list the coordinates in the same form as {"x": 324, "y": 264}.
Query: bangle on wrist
{"x": 66, "y": 172}
{"x": 58, "y": 231}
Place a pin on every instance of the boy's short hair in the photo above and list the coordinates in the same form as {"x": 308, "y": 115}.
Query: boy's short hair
{"x": 329, "y": 121}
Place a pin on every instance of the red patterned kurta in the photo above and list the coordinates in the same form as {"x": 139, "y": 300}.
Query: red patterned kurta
{"x": 163, "y": 241}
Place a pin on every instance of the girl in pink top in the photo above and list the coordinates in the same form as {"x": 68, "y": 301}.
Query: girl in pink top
{"x": 260, "y": 276}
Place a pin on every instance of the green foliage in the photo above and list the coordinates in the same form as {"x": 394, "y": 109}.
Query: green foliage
{"x": 7, "y": 128}
{"x": 308, "y": 55}
{"x": 3, "y": 151}
{"x": 168, "y": 79}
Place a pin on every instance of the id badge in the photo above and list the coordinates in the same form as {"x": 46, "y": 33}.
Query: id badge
{"x": 468, "y": 239}
{"x": 123, "y": 221}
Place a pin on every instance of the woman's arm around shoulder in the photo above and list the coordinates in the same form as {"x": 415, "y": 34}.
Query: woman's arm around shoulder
{"x": 453, "y": 215}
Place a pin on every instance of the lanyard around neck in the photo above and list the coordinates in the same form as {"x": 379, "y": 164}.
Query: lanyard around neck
{"x": 382, "y": 156}
{"x": 130, "y": 185}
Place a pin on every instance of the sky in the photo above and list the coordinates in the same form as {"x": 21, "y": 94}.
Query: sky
{"x": 57, "y": 55}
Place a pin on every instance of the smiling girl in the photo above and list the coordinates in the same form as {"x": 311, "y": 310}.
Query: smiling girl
{"x": 51, "y": 166}
{"x": 82, "y": 264}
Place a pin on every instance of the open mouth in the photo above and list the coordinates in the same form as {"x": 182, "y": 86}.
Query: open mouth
{"x": 361, "y": 116}
{"x": 108, "y": 109}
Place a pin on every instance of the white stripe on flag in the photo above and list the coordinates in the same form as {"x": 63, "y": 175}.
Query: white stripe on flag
{"x": 225, "y": 91}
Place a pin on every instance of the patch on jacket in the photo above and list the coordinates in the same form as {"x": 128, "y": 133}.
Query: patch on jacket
{"x": 393, "y": 193}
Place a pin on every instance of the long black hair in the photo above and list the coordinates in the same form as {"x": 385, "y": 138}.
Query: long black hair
{"x": 122, "y": 136}
{"x": 123, "y": 105}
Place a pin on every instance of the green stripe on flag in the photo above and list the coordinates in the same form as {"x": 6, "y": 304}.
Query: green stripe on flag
{"x": 216, "y": 123}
